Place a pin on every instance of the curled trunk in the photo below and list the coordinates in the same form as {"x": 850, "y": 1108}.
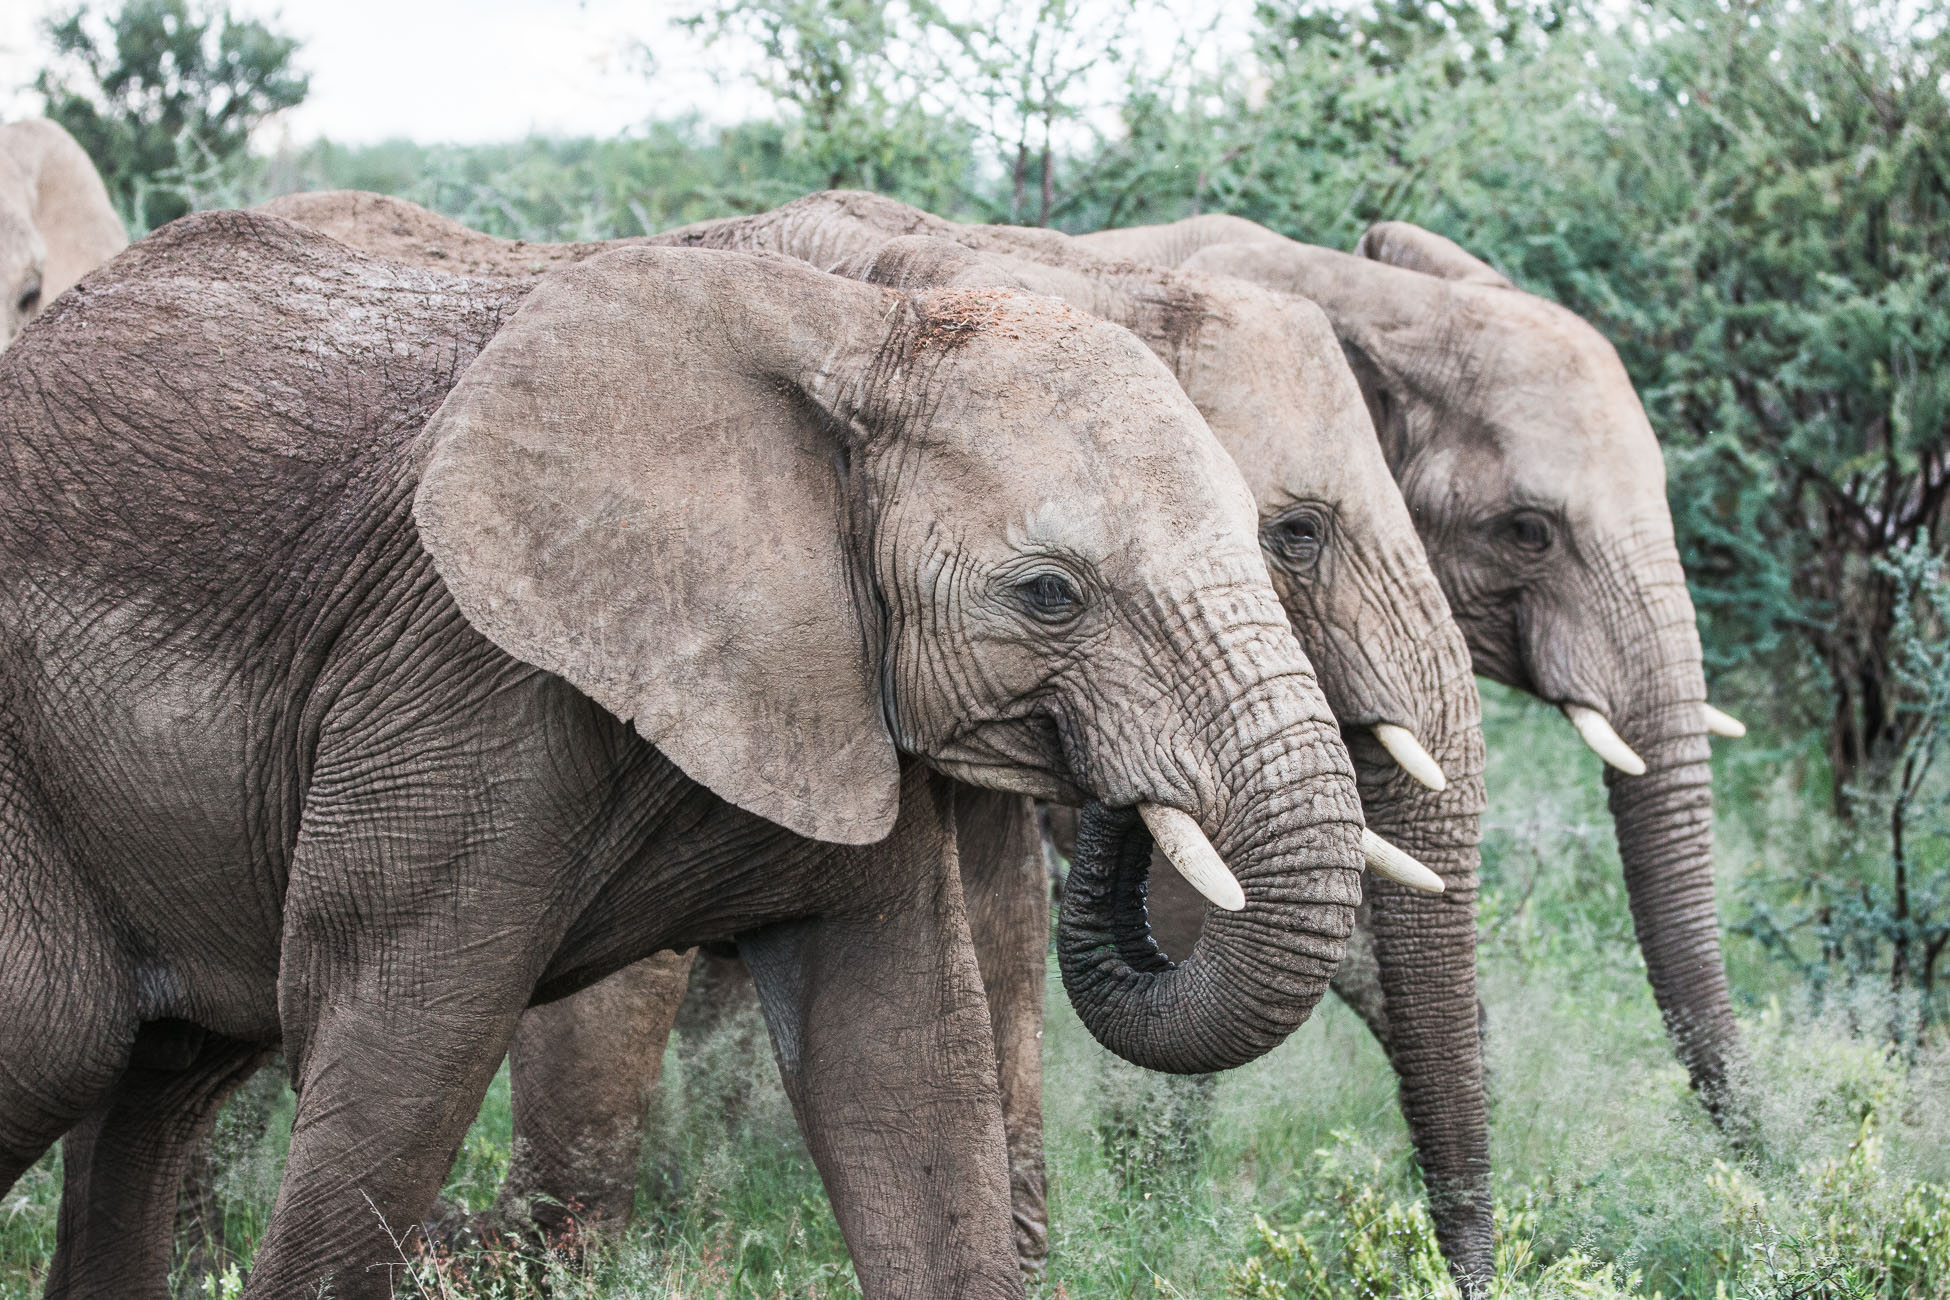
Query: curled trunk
{"x": 1255, "y": 974}
{"x": 1254, "y": 977}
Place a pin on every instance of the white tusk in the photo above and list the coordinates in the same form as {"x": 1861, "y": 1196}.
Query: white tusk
{"x": 1604, "y": 742}
{"x": 1185, "y": 844}
{"x": 1723, "y": 724}
{"x": 1384, "y": 859}
{"x": 1404, "y": 748}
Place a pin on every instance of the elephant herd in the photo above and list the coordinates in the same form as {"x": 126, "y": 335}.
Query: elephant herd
{"x": 414, "y": 645}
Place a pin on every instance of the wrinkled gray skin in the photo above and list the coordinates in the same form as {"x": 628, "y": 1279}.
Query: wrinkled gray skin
{"x": 1360, "y": 596}
{"x": 1265, "y": 374}
{"x": 56, "y": 223}
{"x": 1537, "y": 484}
{"x": 337, "y": 585}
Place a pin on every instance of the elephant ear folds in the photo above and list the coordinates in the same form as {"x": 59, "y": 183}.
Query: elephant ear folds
{"x": 1400, "y": 244}
{"x": 638, "y": 485}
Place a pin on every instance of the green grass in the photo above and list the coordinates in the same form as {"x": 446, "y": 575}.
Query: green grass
{"x": 1610, "y": 1181}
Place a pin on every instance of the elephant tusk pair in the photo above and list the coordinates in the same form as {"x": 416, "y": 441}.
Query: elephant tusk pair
{"x": 1187, "y": 848}
{"x": 1597, "y": 733}
{"x": 1405, "y": 749}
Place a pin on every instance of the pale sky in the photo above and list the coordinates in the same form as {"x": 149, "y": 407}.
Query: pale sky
{"x": 457, "y": 71}
{"x": 472, "y": 71}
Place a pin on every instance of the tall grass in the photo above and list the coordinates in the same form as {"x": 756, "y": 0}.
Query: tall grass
{"x": 1293, "y": 1178}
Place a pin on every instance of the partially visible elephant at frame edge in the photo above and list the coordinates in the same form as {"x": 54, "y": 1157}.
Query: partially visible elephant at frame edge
{"x": 1538, "y": 486}
{"x": 56, "y": 221}
{"x": 1264, "y": 372}
{"x": 380, "y": 663}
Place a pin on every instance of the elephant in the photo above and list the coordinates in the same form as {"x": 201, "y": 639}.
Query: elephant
{"x": 385, "y": 651}
{"x": 1356, "y": 588}
{"x": 56, "y": 221}
{"x": 1538, "y": 486}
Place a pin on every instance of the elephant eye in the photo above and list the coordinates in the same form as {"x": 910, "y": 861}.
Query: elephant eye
{"x": 1296, "y": 537}
{"x": 1049, "y": 597}
{"x": 1529, "y": 531}
{"x": 30, "y": 300}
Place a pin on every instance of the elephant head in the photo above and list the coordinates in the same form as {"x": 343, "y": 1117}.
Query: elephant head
{"x": 56, "y": 223}
{"x": 1266, "y": 373}
{"x": 792, "y": 524}
{"x": 1538, "y": 486}
{"x": 23, "y": 253}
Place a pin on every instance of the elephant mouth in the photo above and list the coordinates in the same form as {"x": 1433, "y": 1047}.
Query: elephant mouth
{"x": 1027, "y": 752}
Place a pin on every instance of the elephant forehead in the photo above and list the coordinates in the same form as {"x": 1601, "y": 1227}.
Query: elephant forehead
{"x": 1560, "y": 406}
{"x": 1080, "y": 408}
{"x": 20, "y": 241}
{"x": 1150, "y": 507}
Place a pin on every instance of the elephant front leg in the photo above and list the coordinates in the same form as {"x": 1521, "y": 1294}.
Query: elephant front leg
{"x": 123, "y": 1165}
{"x": 582, "y": 1070}
{"x": 395, "y": 1016}
{"x": 882, "y": 1036}
{"x": 1006, "y": 886}
{"x": 387, "y": 1087}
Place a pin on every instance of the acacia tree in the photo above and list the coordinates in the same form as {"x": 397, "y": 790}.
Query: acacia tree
{"x": 858, "y": 116}
{"x": 936, "y": 102}
{"x": 1751, "y": 198}
{"x": 1771, "y": 249}
{"x": 1020, "y": 72}
{"x": 159, "y": 85}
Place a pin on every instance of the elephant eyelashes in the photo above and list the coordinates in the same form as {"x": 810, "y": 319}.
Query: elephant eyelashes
{"x": 1049, "y": 598}
{"x": 1529, "y": 531}
{"x": 1296, "y": 537}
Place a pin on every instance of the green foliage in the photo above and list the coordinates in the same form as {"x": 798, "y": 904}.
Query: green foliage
{"x": 856, "y": 118}
{"x": 1351, "y": 115}
{"x": 1764, "y": 226}
{"x": 1848, "y": 1232}
{"x": 1879, "y": 908}
{"x": 161, "y": 87}
{"x": 1608, "y": 1174}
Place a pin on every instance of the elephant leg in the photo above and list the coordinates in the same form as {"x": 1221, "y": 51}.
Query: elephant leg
{"x": 881, "y": 1031}
{"x": 200, "y": 1208}
{"x": 395, "y": 1014}
{"x": 123, "y": 1165}
{"x": 1004, "y": 880}
{"x": 67, "y": 1005}
{"x": 723, "y": 1034}
{"x": 385, "y": 1094}
{"x": 582, "y": 1070}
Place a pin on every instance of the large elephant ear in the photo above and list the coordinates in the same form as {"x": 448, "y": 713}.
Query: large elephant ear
{"x": 640, "y": 484}
{"x": 1400, "y": 244}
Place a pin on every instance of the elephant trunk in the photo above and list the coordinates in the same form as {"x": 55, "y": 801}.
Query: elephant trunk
{"x": 1425, "y": 952}
{"x": 1664, "y": 822}
{"x": 1285, "y": 826}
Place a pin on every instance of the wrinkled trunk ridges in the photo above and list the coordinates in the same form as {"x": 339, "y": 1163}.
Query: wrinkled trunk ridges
{"x": 1250, "y": 753}
{"x": 1425, "y": 950}
{"x": 1664, "y": 824}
